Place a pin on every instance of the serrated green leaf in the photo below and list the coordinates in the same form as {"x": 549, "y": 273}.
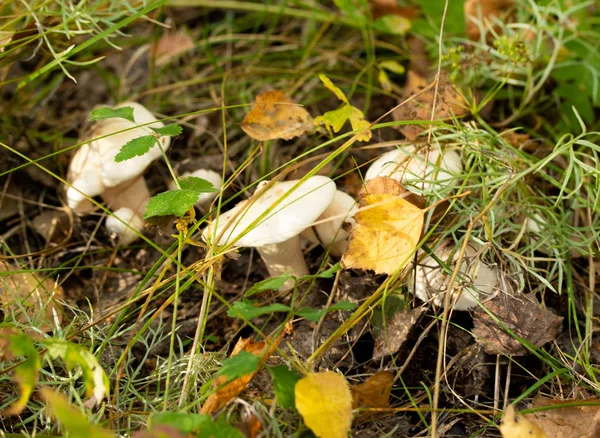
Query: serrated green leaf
{"x": 183, "y": 421}
{"x": 170, "y": 130}
{"x": 135, "y": 148}
{"x": 392, "y": 24}
{"x": 71, "y": 418}
{"x": 272, "y": 283}
{"x": 284, "y": 381}
{"x": 239, "y": 365}
{"x": 246, "y": 310}
{"x": 173, "y": 202}
{"x": 335, "y": 90}
{"x": 20, "y": 345}
{"x": 125, "y": 112}
{"x": 195, "y": 184}
{"x": 94, "y": 377}
{"x": 315, "y": 315}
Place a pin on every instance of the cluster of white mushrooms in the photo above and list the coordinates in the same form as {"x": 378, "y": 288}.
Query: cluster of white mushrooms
{"x": 279, "y": 214}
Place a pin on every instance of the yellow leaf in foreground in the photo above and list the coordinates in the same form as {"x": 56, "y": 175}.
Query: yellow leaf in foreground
{"x": 388, "y": 229}
{"x": 275, "y": 115}
{"x": 325, "y": 402}
{"x": 513, "y": 427}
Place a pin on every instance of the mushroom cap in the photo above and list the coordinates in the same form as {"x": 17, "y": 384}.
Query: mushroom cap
{"x": 406, "y": 165}
{"x": 126, "y": 234}
{"x": 209, "y": 175}
{"x": 296, "y": 212}
{"x": 431, "y": 282}
{"x": 93, "y": 167}
{"x": 330, "y": 232}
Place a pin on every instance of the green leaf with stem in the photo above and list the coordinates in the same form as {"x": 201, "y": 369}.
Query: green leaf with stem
{"x": 284, "y": 381}
{"x": 171, "y": 130}
{"x": 179, "y": 201}
{"x": 245, "y": 309}
{"x": 125, "y": 112}
{"x": 241, "y": 364}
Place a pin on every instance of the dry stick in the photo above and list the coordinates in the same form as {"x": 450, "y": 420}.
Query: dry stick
{"x": 497, "y": 383}
{"x": 507, "y": 383}
{"x": 447, "y": 298}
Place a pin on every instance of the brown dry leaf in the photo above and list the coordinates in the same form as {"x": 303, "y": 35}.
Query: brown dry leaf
{"x": 524, "y": 317}
{"x": 275, "y": 115}
{"x": 373, "y": 393}
{"x": 388, "y": 228}
{"x": 32, "y": 293}
{"x": 228, "y": 392}
{"x": 566, "y": 421}
{"x": 380, "y": 8}
{"x": 250, "y": 426}
{"x": 170, "y": 46}
{"x": 396, "y": 330}
{"x": 518, "y": 427}
{"x": 485, "y": 11}
{"x": 448, "y": 103}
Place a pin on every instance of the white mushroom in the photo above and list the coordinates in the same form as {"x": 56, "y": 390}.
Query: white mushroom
{"x": 276, "y": 236}
{"x": 333, "y": 226}
{"x": 406, "y": 165}
{"x": 431, "y": 282}
{"x": 93, "y": 170}
{"x": 209, "y": 175}
{"x": 126, "y": 224}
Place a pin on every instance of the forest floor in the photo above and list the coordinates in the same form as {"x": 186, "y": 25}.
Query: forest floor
{"x": 493, "y": 194}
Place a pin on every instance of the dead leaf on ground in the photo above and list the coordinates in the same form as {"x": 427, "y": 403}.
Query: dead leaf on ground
{"x": 391, "y": 338}
{"x": 524, "y": 317}
{"x": 448, "y": 103}
{"x": 52, "y": 225}
{"x": 373, "y": 393}
{"x": 229, "y": 391}
{"x": 485, "y": 12}
{"x": 275, "y": 115}
{"x": 325, "y": 402}
{"x": 518, "y": 427}
{"x": 32, "y": 293}
{"x": 388, "y": 228}
{"x": 380, "y": 8}
{"x": 566, "y": 421}
{"x": 170, "y": 46}
{"x": 250, "y": 426}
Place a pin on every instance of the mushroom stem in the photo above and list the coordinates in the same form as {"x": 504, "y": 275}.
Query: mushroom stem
{"x": 284, "y": 257}
{"x": 127, "y": 201}
{"x": 132, "y": 194}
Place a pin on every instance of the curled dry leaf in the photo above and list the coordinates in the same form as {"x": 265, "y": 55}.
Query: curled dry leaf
{"x": 396, "y": 330}
{"x": 485, "y": 12}
{"x": 373, "y": 393}
{"x": 227, "y": 392}
{"x": 325, "y": 402}
{"x": 565, "y": 419}
{"x": 388, "y": 228}
{"x": 28, "y": 292}
{"x": 524, "y": 317}
{"x": 275, "y": 115}
{"x": 448, "y": 103}
{"x": 518, "y": 427}
{"x": 170, "y": 46}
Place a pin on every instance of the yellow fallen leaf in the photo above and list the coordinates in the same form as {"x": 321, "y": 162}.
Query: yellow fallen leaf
{"x": 566, "y": 419}
{"x": 388, "y": 228}
{"x": 275, "y": 115}
{"x": 518, "y": 427}
{"x": 325, "y": 402}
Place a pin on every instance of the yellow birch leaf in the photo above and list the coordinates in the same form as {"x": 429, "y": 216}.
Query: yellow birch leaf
{"x": 513, "y": 427}
{"x": 325, "y": 402}
{"x": 388, "y": 228}
{"x": 275, "y": 115}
